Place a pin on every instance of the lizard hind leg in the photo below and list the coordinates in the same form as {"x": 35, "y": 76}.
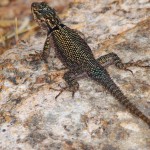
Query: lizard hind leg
{"x": 72, "y": 84}
{"x": 70, "y": 78}
{"x": 113, "y": 58}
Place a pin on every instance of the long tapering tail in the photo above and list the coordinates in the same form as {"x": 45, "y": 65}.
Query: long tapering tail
{"x": 100, "y": 75}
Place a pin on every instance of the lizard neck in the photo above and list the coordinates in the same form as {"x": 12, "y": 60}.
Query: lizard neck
{"x": 57, "y": 27}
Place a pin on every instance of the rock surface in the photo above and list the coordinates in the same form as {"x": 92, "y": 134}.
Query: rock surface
{"x": 30, "y": 116}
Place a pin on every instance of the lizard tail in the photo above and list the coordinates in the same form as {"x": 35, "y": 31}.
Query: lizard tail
{"x": 101, "y": 76}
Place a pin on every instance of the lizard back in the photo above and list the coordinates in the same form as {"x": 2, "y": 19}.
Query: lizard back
{"x": 71, "y": 48}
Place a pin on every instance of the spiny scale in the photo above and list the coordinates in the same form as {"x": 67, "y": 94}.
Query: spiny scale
{"x": 77, "y": 56}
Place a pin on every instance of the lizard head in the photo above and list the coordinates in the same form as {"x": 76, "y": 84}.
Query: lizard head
{"x": 45, "y": 15}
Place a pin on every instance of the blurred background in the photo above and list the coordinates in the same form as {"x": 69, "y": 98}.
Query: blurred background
{"x": 103, "y": 19}
{"x": 16, "y": 22}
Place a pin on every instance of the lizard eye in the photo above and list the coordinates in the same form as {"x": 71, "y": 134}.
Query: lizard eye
{"x": 43, "y": 4}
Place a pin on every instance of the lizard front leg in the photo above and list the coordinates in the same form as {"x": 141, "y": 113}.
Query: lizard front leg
{"x": 113, "y": 58}
{"x": 46, "y": 51}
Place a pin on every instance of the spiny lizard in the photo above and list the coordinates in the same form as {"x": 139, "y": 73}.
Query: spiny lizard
{"x": 77, "y": 56}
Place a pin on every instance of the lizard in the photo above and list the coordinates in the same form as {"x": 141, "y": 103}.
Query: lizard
{"x": 77, "y": 56}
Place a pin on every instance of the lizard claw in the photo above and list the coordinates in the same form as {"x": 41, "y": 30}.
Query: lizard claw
{"x": 140, "y": 63}
{"x": 129, "y": 71}
{"x": 72, "y": 89}
{"x": 60, "y": 90}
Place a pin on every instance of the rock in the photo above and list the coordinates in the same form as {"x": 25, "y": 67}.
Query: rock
{"x": 31, "y": 117}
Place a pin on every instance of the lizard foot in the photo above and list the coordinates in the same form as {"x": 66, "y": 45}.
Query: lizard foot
{"x": 60, "y": 91}
{"x": 37, "y": 56}
{"x": 72, "y": 89}
{"x": 139, "y": 63}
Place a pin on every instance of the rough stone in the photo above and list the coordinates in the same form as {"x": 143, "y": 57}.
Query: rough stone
{"x": 30, "y": 116}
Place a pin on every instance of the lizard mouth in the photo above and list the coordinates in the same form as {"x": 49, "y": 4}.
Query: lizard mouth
{"x": 34, "y": 10}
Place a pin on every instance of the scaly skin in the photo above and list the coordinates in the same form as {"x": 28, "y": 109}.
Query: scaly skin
{"x": 77, "y": 56}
